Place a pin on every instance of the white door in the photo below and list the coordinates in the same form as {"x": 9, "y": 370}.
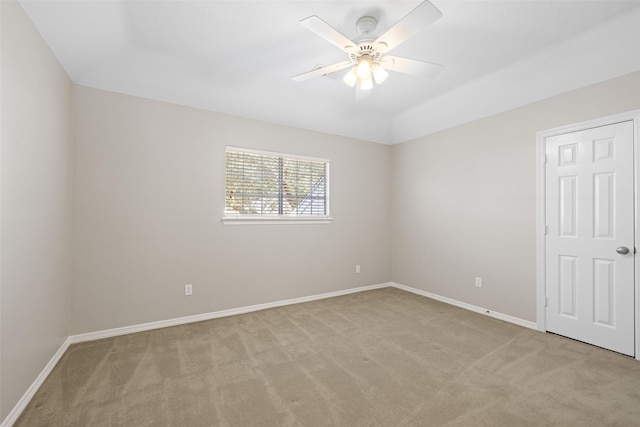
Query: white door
{"x": 589, "y": 214}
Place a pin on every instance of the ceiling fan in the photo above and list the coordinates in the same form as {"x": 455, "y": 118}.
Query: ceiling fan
{"x": 367, "y": 56}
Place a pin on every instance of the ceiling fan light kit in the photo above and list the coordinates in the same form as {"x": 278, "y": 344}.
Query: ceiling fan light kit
{"x": 351, "y": 78}
{"x": 367, "y": 57}
{"x": 366, "y": 83}
{"x": 364, "y": 66}
{"x": 379, "y": 73}
{"x": 363, "y": 72}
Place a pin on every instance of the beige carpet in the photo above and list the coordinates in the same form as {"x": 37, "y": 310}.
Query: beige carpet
{"x": 377, "y": 358}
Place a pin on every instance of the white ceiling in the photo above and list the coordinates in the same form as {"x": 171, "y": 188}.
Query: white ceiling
{"x": 237, "y": 57}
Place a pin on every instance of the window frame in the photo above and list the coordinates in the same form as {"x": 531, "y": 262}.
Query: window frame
{"x": 277, "y": 219}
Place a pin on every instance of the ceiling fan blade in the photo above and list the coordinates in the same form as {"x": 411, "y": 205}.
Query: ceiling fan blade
{"x": 328, "y": 33}
{"x": 410, "y": 66}
{"x": 322, "y": 71}
{"x": 412, "y": 23}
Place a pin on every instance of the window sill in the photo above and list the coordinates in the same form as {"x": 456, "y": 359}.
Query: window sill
{"x": 275, "y": 220}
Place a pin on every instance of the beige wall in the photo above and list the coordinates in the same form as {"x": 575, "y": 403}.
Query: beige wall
{"x": 463, "y": 200}
{"x": 36, "y": 202}
{"x": 149, "y": 196}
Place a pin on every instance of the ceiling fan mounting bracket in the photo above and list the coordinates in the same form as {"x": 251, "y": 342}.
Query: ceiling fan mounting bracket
{"x": 366, "y": 25}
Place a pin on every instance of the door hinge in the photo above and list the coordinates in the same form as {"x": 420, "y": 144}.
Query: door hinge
{"x": 545, "y": 159}
{"x": 546, "y": 301}
{"x": 546, "y": 230}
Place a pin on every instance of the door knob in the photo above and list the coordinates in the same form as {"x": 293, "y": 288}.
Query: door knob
{"x": 622, "y": 250}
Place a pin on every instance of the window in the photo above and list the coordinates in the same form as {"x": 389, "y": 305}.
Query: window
{"x": 264, "y": 187}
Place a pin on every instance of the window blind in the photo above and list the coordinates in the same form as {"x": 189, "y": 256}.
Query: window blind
{"x": 262, "y": 184}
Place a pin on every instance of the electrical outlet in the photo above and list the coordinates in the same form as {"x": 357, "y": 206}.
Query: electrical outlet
{"x": 358, "y": 269}
{"x": 188, "y": 290}
{"x": 478, "y": 282}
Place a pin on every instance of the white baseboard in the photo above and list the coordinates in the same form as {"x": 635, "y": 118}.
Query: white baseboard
{"x": 470, "y": 307}
{"x": 33, "y": 388}
{"x": 91, "y": 336}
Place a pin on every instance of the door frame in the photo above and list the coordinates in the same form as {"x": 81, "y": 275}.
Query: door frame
{"x": 541, "y": 228}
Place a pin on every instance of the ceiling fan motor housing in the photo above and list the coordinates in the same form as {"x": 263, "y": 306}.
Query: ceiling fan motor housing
{"x": 365, "y": 48}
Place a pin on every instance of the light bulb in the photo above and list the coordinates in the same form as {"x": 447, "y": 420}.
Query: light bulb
{"x": 364, "y": 66}
{"x": 366, "y": 84}
{"x": 351, "y": 78}
{"x": 379, "y": 73}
